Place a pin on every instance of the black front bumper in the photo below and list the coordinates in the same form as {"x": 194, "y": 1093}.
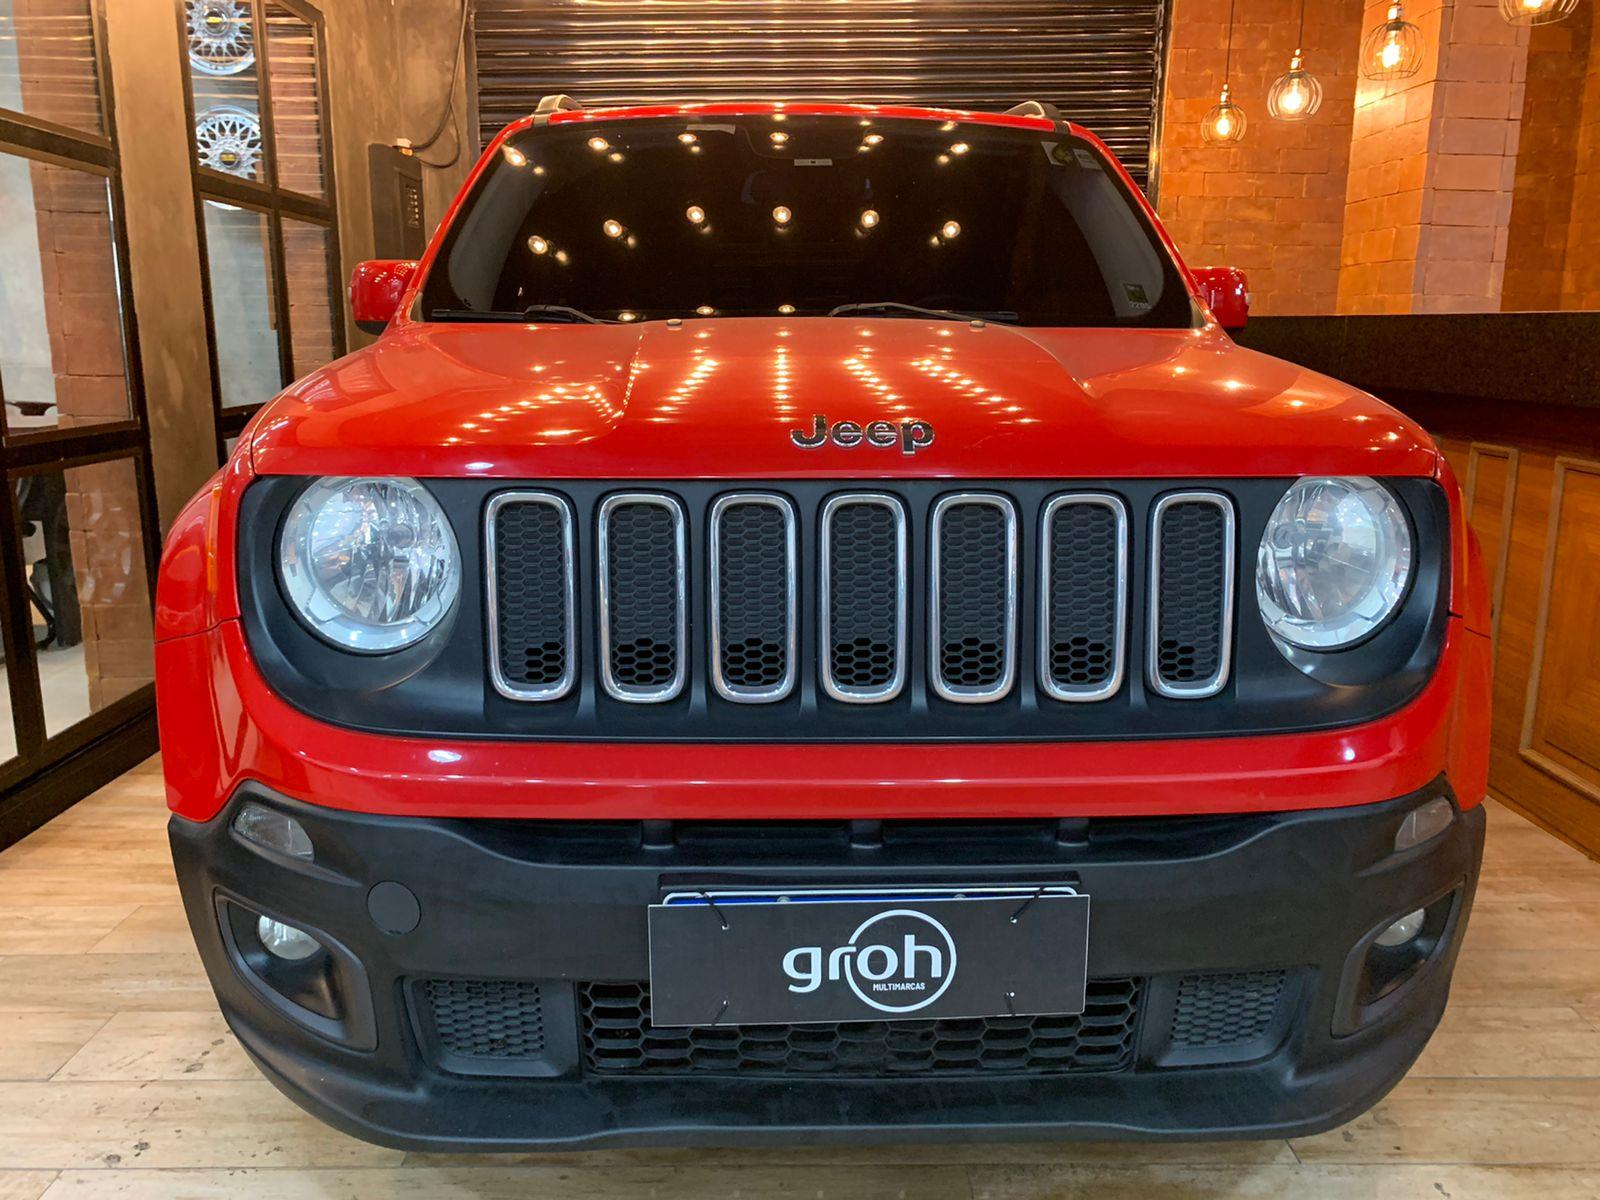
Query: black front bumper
{"x": 1235, "y": 952}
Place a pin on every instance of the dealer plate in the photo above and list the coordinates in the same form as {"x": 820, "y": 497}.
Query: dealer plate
{"x": 737, "y": 957}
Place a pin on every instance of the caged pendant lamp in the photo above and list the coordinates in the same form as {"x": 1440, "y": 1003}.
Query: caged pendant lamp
{"x": 1297, "y": 93}
{"x": 1224, "y": 121}
{"x": 1393, "y": 50}
{"x": 1536, "y": 12}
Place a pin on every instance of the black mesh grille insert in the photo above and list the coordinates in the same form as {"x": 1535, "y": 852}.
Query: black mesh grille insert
{"x": 975, "y": 593}
{"x": 497, "y": 1019}
{"x": 531, "y": 594}
{"x": 753, "y": 598}
{"x": 1083, "y": 630}
{"x": 1226, "y": 1010}
{"x": 1191, "y": 597}
{"x": 863, "y": 597}
{"x": 618, "y": 1038}
{"x": 643, "y": 596}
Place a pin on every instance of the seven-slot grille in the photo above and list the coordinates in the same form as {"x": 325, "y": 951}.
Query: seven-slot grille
{"x": 755, "y": 563}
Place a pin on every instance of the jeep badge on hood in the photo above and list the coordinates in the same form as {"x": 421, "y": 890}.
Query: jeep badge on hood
{"x": 910, "y": 436}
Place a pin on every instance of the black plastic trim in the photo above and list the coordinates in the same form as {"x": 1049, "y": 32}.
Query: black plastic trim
{"x": 442, "y": 685}
{"x": 553, "y": 902}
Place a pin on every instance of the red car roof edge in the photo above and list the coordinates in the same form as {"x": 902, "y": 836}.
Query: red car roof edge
{"x": 730, "y": 108}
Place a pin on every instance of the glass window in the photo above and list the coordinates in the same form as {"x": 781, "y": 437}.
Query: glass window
{"x": 61, "y": 338}
{"x": 308, "y": 281}
{"x": 83, "y": 551}
{"x": 296, "y": 100}
{"x": 47, "y": 62}
{"x": 746, "y": 215}
{"x": 226, "y": 87}
{"x": 272, "y": 255}
{"x": 243, "y": 308}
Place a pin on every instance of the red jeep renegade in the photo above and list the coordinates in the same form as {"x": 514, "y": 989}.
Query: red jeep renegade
{"x": 805, "y": 626}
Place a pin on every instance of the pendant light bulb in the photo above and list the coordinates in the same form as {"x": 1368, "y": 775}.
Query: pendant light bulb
{"x": 1394, "y": 49}
{"x": 1536, "y": 12}
{"x": 1224, "y": 123}
{"x": 1296, "y": 94}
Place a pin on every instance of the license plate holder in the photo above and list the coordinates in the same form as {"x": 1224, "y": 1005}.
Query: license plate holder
{"x": 731, "y": 956}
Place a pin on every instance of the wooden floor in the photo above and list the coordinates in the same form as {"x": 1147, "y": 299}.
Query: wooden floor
{"x": 118, "y": 1077}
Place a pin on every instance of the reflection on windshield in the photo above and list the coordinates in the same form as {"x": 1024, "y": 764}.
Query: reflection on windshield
{"x": 781, "y": 214}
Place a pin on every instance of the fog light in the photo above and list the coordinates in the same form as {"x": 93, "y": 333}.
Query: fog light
{"x": 1428, "y": 821}
{"x": 285, "y": 941}
{"x": 274, "y": 831}
{"x": 1402, "y": 931}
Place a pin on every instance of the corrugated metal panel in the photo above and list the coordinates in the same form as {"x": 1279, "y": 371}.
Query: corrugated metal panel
{"x": 1098, "y": 60}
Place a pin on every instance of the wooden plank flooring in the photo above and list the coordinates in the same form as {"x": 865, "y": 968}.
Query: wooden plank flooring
{"x": 118, "y": 1077}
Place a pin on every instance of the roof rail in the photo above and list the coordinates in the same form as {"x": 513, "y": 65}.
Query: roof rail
{"x": 557, "y": 102}
{"x": 1036, "y": 108}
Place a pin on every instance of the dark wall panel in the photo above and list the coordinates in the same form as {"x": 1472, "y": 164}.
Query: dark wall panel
{"x": 1098, "y": 60}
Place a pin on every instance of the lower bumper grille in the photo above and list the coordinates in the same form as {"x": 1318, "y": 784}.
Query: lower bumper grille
{"x": 618, "y": 1038}
{"x": 516, "y": 1027}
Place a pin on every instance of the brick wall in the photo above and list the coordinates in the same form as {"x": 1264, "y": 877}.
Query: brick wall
{"x": 72, "y": 210}
{"x": 109, "y": 565}
{"x": 1272, "y": 204}
{"x": 54, "y": 45}
{"x": 1432, "y": 165}
{"x": 305, "y": 265}
{"x": 1472, "y": 186}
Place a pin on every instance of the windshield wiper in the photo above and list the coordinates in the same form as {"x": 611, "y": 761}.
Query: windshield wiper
{"x": 916, "y": 310}
{"x": 534, "y": 312}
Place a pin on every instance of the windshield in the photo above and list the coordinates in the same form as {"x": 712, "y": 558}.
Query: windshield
{"x": 776, "y": 214}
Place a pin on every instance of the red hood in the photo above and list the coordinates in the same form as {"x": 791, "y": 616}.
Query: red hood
{"x": 718, "y": 399}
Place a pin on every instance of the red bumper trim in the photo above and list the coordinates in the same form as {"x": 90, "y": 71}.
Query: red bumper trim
{"x": 223, "y": 725}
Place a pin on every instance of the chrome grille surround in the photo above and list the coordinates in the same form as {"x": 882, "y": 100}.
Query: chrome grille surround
{"x": 1051, "y": 686}
{"x": 492, "y": 592}
{"x": 740, "y": 694}
{"x": 1159, "y": 593}
{"x": 669, "y": 690}
{"x": 957, "y": 692}
{"x": 825, "y": 605}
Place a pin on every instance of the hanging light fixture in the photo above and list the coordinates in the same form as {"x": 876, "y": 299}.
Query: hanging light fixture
{"x": 1393, "y": 50}
{"x": 1224, "y": 120}
{"x": 1536, "y": 12}
{"x": 1297, "y": 93}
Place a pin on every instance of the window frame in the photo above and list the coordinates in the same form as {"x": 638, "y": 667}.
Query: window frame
{"x": 266, "y": 197}
{"x": 40, "y": 779}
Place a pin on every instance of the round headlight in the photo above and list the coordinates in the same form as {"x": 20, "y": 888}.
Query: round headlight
{"x": 1334, "y": 562}
{"x": 370, "y": 565}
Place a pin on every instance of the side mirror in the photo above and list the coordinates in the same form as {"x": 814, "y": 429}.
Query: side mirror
{"x": 1227, "y": 291}
{"x": 376, "y": 287}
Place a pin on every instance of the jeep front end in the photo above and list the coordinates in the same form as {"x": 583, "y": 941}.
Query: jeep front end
{"x": 804, "y": 626}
